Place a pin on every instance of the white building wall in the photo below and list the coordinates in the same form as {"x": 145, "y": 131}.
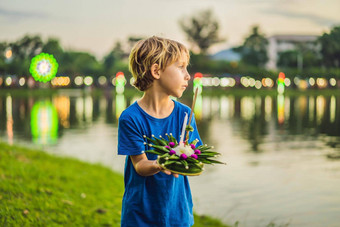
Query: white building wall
{"x": 281, "y": 43}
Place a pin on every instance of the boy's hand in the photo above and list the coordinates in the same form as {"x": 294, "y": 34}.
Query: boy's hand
{"x": 145, "y": 167}
{"x": 166, "y": 171}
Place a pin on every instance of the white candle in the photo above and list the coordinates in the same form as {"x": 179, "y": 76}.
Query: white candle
{"x": 183, "y": 128}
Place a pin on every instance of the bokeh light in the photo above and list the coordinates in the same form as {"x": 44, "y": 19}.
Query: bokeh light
{"x": 281, "y": 83}
{"x": 8, "y": 53}
{"x": 61, "y": 81}
{"x": 198, "y": 83}
{"x": 43, "y": 67}
{"x": 22, "y": 81}
{"x": 321, "y": 82}
{"x": 88, "y": 81}
{"x": 332, "y": 82}
{"x": 120, "y": 82}
{"x": 252, "y": 82}
{"x": 258, "y": 84}
{"x": 102, "y": 80}
{"x": 8, "y": 81}
{"x": 79, "y": 80}
{"x": 215, "y": 81}
{"x": 245, "y": 81}
{"x": 268, "y": 82}
{"x": 287, "y": 82}
{"x": 303, "y": 84}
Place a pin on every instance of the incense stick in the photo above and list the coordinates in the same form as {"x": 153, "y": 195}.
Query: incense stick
{"x": 192, "y": 110}
{"x": 183, "y": 129}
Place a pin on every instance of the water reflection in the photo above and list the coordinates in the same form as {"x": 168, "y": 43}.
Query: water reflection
{"x": 9, "y": 119}
{"x": 254, "y": 115}
{"x": 120, "y": 104}
{"x": 276, "y": 147}
{"x": 44, "y": 123}
{"x": 62, "y": 104}
{"x": 280, "y": 109}
{"x": 198, "y": 107}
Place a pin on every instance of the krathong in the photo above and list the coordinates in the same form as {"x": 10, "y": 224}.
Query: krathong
{"x": 182, "y": 157}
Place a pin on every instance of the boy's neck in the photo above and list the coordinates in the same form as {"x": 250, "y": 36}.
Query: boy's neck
{"x": 156, "y": 105}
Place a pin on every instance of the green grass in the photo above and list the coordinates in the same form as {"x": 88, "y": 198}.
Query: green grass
{"x": 38, "y": 189}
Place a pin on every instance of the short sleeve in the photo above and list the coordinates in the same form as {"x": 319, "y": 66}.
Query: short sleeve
{"x": 130, "y": 139}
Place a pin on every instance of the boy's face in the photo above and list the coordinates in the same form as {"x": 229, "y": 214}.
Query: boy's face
{"x": 174, "y": 78}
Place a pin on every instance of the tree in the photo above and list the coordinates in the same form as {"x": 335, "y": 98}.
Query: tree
{"x": 302, "y": 57}
{"x": 27, "y": 47}
{"x": 3, "y": 47}
{"x": 330, "y": 47}
{"x": 201, "y": 30}
{"x": 23, "y": 50}
{"x": 308, "y": 55}
{"x": 111, "y": 61}
{"x": 53, "y": 47}
{"x": 254, "y": 48}
{"x": 79, "y": 63}
{"x": 288, "y": 59}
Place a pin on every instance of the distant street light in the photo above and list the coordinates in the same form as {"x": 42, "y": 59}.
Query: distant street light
{"x": 281, "y": 83}
{"x": 8, "y": 55}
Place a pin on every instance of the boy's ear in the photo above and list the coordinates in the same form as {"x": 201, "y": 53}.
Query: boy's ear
{"x": 155, "y": 70}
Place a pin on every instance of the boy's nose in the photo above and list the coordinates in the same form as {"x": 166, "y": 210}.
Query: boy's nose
{"x": 187, "y": 76}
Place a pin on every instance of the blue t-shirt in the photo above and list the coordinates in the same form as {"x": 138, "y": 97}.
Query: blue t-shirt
{"x": 159, "y": 200}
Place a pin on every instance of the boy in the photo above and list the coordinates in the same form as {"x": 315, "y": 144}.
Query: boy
{"x": 154, "y": 196}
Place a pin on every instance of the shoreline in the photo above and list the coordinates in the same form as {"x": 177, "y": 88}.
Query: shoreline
{"x": 38, "y": 188}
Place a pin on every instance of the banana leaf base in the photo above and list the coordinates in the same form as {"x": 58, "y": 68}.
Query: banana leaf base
{"x": 177, "y": 167}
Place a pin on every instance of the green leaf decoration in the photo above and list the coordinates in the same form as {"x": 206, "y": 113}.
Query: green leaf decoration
{"x": 185, "y": 159}
{"x": 189, "y": 128}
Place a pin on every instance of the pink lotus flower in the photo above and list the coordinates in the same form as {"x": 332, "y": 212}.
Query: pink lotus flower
{"x": 194, "y": 156}
{"x": 171, "y": 152}
{"x": 172, "y": 144}
{"x": 167, "y": 147}
{"x": 192, "y": 146}
{"x": 183, "y": 156}
{"x": 197, "y": 151}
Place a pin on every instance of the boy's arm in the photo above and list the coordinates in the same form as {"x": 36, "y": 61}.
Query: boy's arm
{"x": 145, "y": 167}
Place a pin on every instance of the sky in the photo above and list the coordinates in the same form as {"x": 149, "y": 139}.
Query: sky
{"x": 95, "y": 25}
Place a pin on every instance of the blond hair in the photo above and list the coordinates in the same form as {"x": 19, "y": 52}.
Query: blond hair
{"x": 154, "y": 50}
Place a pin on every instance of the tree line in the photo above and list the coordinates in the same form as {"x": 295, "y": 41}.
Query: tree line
{"x": 321, "y": 57}
{"x": 15, "y": 58}
{"x": 202, "y": 32}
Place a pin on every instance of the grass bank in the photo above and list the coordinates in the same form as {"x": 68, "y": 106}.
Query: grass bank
{"x": 38, "y": 189}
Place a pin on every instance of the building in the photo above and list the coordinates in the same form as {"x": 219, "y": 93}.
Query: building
{"x": 281, "y": 43}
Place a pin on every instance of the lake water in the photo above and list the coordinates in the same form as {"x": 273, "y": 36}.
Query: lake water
{"x": 279, "y": 150}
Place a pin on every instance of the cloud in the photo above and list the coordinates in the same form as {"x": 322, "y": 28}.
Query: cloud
{"x": 318, "y": 20}
{"x": 14, "y": 15}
